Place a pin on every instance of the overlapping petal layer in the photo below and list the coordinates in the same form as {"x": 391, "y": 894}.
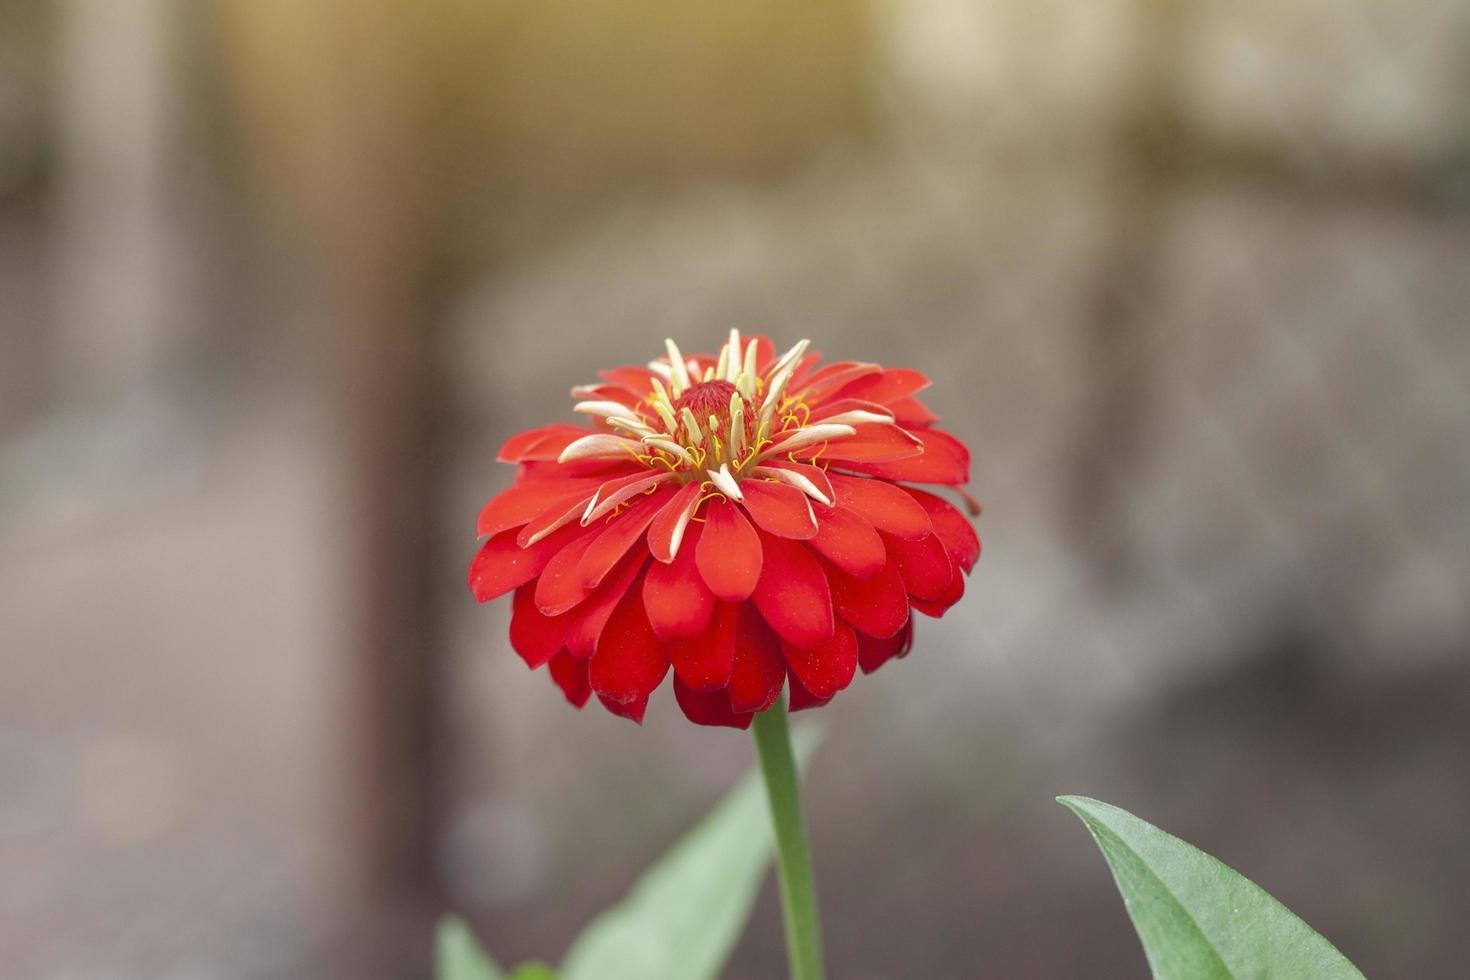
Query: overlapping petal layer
{"x": 737, "y": 520}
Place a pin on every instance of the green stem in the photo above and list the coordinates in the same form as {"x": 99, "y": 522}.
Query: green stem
{"x": 793, "y": 859}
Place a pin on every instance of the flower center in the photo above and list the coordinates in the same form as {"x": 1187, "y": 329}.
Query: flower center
{"x": 716, "y": 422}
{"x": 707, "y": 399}
{"x": 713, "y": 424}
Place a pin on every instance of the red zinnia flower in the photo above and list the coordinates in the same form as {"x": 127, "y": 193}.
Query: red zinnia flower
{"x": 740, "y": 518}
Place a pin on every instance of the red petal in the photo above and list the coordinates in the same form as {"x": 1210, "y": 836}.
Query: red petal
{"x": 728, "y": 553}
{"x": 849, "y": 542}
{"x": 802, "y": 699}
{"x": 634, "y": 380}
{"x": 874, "y": 652}
{"x": 621, "y": 534}
{"x": 944, "y": 460}
{"x": 704, "y": 362}
{"x": 952, "y": 527}
{"x": 760, "y": 670}
{"x": 570, "y": 675}
{"x": 502, "y": 565}
{"x": 545, "y": 443}
{"x": 886, "y": 387}
{"x": 807, "y": 364}
{"x": 672, "y": 521}
{"x": 525, "y": 500}
{"x": 607, "y": 393}
{"x": 792, "y": 594}
{"x": 939, "y": 606}
{"x": 765, "y": 352}
{"x": 882, "y": 505}
{"x": 878, "y": 606}
{"x": 708, "y": 707}
{"x": 832, "y": 378}
{"x": 560, "y": 588}
{"x": 629, "y": 661}
{"x": 704, "y": 662}
{"x": 874, "y": 442}
{"x": 536, "y": 637}
{"x": 678, "y": 603}
{"x": 581, "y": 469}
{"x": 924, "y": 565}
{"x": 586, "y": 622}
{"x": 910, "y": 412}
{"x": 826, "y": 669}
{"x": 779, "y": 509}
{"x": 632, "y": 710}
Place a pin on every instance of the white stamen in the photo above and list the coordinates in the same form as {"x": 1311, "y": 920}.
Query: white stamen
{"x": 808, "y": 436}
{"x": 676, "y": 537}
{"x": 598, "y": 445}
{"x": 635, "y": 428}
{"x": 857, "y": 417}
{"x": 603, "y": 409}
{"x": 746, "y": 381}
{"x": 599, "y": 505}
{"x": 561, "y": 522}
{"x": 737, "y": 426}
{"x": 722, "y": 365}
{"x": 680, "y": 375}
{"x": 691, "y": 425}
{"x": 725, "y": 483}
{"x": 792, "y": 478}
{"x": 670, "y": 447}
{"x": 661, "y": 369}
{"x": 730, "y": 365}
{"x": 785, "y": 368}
{"x": 663, "y": 405}
{"x": 791, "y": 356}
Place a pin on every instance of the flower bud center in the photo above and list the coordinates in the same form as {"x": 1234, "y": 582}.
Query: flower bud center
{"x": 707, "y": 398}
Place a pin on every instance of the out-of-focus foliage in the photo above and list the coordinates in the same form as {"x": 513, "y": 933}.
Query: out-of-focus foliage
{"x": 458, "y": 957}
{"x": 680, "y": 920}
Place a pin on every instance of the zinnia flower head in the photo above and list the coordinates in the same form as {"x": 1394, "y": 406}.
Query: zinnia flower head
{"x": 742, "y": 519}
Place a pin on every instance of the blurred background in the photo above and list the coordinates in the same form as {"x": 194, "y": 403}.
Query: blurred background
{"x": 276, "y": 279}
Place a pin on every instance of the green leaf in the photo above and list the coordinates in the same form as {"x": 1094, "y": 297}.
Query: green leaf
{"x": 533, "y": 971}
{"x": 458, "y": 956}
{"x": 683, "y": 916}
{"x": 1198, "y": 919}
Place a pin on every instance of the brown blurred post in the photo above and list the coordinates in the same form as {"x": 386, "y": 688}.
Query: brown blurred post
{"x": 1146, "y": 158}
{"x": 327, "y": 89}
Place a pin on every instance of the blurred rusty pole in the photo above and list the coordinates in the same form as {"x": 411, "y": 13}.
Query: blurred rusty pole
{"x": 328, "y": 92}
{"x": 1118, "y": 335}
